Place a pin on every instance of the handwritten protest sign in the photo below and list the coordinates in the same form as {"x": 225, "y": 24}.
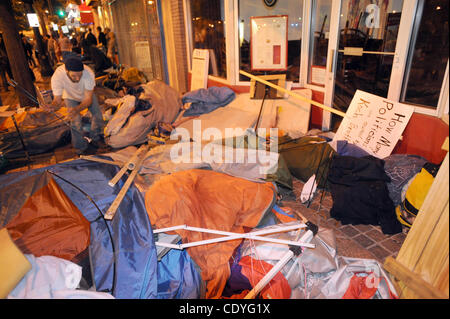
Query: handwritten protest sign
{"x": 374, "y": 123}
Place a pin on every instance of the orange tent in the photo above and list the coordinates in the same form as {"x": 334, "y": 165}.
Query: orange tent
{"x": 208, "y": 199}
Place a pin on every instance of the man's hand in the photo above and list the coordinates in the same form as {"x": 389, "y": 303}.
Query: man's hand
{"x": 47, "y": 107}
{"x": 54, "y": 106}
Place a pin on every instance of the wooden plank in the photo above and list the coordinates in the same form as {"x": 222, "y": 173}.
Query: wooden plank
{"x": 425, "y": 250}
{"x": 118, "y": 176}
{"x": 130, "y": 165}
{"x": 13, "y": 264}
{"x": 116, "y": 203}
{"x": 413, "y": 281}
{"x": 435, "y": 253}
{"x": 428, "y": 216}
{"x": 101, "y": 160}
{"x": 442, "y": 279}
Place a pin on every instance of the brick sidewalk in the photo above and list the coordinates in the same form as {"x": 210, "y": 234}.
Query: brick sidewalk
{"x": 358, "y": 241}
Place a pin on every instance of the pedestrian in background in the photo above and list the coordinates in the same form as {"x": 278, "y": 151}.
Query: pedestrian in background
{"x": 90, "y": 38}
{"x": 51, "y": 49}
{"x": 102, "y": 42}
{"x": 112, "y": 46}
{"x": 65, "y": 46}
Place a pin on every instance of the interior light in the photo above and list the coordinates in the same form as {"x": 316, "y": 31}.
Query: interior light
{"x": 438, "y": 8}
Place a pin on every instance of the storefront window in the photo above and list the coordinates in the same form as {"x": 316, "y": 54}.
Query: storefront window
{"x": 294, "y": 10}
{"x": 208, "y": 32}
{"x": 138, "y": 41}
{"x": 373, "y": 30}
{"x": 428, "y": 54}
{"x": 320, "y": 29}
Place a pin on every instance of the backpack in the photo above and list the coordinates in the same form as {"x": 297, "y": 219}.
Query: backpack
{"x": 416, "y": 193}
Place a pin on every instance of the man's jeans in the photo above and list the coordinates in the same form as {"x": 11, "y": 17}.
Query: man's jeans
{"x": 97, "y": 124}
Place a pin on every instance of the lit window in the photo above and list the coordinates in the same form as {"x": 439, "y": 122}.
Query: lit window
{"x": 294, "y": 10}
{"x": 428, "y": 55}
{"x": 208, "y": 32}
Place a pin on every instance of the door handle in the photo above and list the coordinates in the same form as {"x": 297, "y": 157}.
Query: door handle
{"x": 332, "y": 61}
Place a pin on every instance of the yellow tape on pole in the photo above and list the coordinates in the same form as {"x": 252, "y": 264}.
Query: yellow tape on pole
{"x": 293, "y": 94}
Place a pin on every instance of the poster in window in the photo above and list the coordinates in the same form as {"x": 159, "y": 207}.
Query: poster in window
{"x": 143, "y": 59}
{"x": 268, "y": 43}
{"x": 318, "y": 74}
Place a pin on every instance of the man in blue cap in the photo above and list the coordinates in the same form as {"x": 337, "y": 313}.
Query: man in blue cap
{"x": 73, "y": 83}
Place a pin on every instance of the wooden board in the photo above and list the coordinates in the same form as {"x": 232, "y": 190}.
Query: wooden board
{"x": 13, "y": 264}
{"x": 425, "y": 252}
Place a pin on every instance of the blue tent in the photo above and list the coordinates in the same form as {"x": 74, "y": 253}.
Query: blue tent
{"x": 122, "y": 252}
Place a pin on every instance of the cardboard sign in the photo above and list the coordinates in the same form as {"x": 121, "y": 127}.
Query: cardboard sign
{"x": 200, "y": 68}
{"x": 374, "y": 123}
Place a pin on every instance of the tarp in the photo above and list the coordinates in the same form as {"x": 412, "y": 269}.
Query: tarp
{"x": 53, "y": 278}
{"x": 41, "y": 132}
{"x": 208, "y": 199}
{"x": 320, "y": 272}
{"x": 179, "y": 277}
{"x": 170, "y": 158}
{"x": 289, "y": 115}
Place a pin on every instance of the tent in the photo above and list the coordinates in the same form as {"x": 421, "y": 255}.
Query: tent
{"x": 121, "y": 255}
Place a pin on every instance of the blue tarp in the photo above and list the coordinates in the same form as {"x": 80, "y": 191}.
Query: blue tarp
{"x": 136, "y": 268}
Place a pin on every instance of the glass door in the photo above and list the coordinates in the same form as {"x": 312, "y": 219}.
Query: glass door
{"x": 361, "y": 53}
{"x": 319, "y": 36}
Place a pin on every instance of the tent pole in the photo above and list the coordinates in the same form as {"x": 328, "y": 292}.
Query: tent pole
{"x": 309, "y": 234}
{"x": 233, "y": 236}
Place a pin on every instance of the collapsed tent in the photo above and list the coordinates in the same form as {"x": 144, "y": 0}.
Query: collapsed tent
{"x": 131, "y": 123}
{"x": 197, "y": 198}
{"x": 121, "y": 253}
{"x": 40, "y": 130}
{"x": 170, "y": 158}
{"x": 317, "y": 273}
{"x": 307, "y": 156}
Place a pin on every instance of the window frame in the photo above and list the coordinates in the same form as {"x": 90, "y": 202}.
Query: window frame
{"x": 405, "y": 40}
{"x": 399, "y": 68}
